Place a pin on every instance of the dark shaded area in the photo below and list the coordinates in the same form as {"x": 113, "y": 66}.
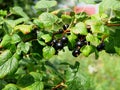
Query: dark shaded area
{"x": 27, "y": 5}
{"x": 26, "y": 81}
{"x": 112, "y": 44}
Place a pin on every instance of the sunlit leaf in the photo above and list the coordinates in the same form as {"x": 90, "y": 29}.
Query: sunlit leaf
{"x": 80, "y": 28}
{"x": 45, "y": 4}
{"x": 48, "y": 19}
{"x": 8, "y": 67}
{"x": 48, "y": 52}
{"x": 25, "y": 29}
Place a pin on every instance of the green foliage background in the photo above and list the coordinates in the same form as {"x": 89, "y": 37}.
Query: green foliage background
{"x": 28, "y": 63}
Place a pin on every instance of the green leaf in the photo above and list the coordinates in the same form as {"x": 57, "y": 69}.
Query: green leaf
{"x": 38, "y": 23}
{"x": 106, "y": 5}
{"x": 48, "y": 52}
{"x": 31, "y": 81}
{"x": 15, "y": 39}
{"x": 11, "y": 23}
{"x": 97, "y": 27}
{"x": 88, "y": 1}
{"x": 18, "y": 11}
{"x": 80, "y": 28}
{"x": 48, "y": 19}
{"x": 46, "y": 37}
{"x": 7, "y": 26}
{"x": 1, "y": 20}
{"x": 25, "y": 29}
{"x": 23, "y": 47}
{"x": 41, "y": 42}
{"x": 112, "y": 43}
{"x": 36, "y": 86}
{"x": 8, "y": 67}
{"x": 3, "y": 12}
{"x": 5, "y": 41}
{"x": 37, "y": 76}
{"x": 93, "y": 39}
{"x": 10, "y": 87}
{"x": 66, "y": 18}
{"x": 72, "y": 40}
{"x": 4, "y": 56}
{"x": 45, "y": 4}
{"x": 20, "y": 20}
{"x": 26, "y": 80}
{"x": 86, "y": 50}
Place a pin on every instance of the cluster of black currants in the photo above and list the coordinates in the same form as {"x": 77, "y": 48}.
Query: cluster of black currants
{"x": 81, "y": 41}
{"x": 58, "y": 44}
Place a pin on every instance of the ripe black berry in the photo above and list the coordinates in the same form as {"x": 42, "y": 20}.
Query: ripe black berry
{"x": 79, "y": 44}
{"x": 64, "y": 39}
{"x": 59, "y": 45}
{"x": 54, "y": 41}
{"x": 76, "y": 52}
{"x": 60, "y": 31}
{"x": 100, "y": 46}
{"x": 65, "y": 26}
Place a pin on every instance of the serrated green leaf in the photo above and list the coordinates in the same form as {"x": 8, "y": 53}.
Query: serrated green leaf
{"x": 48, "y": 19}
{"x": 6, "y": 41}
{"x": 10, "y": 87}
{"x": 15, "y": 38}
{"x": 23, "y": 47}
{"x": 48, "y": 52}
{"x": 45, "y": 4}
{"x": 4, "y": 56}
{"x": 86, "y": 50}
{"x": 25, "y": 29}
{"x": 66, "y": 18}
{"x": 37, "y": 76}
{"x": 72, "y": 40}
{"x": 11, "y": 23}
{"x": 97, "y": 27}
{"x": 8, "y": 67}
{"x": 93, "y": 39}
{"x": 35, "y": 86}
{"x": 38, "y": 23}
{"x": 46, "y": 37}
{"x": 39, "y": 34}
{"x": 80, "y": 28}
{"x": 18, "y": 11}
{"x": 41, "y": 42}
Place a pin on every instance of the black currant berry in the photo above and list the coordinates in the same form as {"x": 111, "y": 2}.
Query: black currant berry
{"x": 100, "y": 46}
{"x": 86, "y": 43}
{"x": 65, "y": 26}
{"x": 79, "y": 44}
{"x": 76, "y": 52}
{"x": 64, "y": 39}
{"x": 59, "y": 45}
{"x": 60, "y": 31}
{"x": 54, "y": 41}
